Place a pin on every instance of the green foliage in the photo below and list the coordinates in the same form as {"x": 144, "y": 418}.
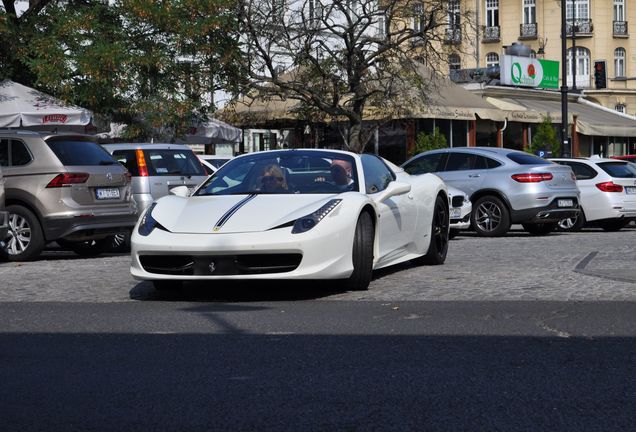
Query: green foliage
{"x": 545, "y": 138}
{"x": 429, "y": 141}
{"x": 147, "y": 63}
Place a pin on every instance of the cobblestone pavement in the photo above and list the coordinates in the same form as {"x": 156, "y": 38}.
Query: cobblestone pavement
{"x": 590, "y": 265}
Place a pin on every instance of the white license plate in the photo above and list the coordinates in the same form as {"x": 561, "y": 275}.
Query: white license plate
{"x": 103, "y": 193}
{"x": 565, "y": 203}
{"x": 455, "y": 213}
{"x": 630, "y": 190}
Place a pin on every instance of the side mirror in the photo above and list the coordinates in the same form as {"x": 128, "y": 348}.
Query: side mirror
{"x": 394, "y": 188}
{"x": 181, "y": 191}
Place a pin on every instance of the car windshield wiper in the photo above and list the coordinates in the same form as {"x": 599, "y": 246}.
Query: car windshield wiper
{"x": 106, "y": 162}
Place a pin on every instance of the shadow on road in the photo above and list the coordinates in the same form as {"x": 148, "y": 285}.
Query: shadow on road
{"x": 238, "y": 291}
{"x": 167, "y": 382}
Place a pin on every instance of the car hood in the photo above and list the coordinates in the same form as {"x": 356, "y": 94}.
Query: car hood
{"x": 226, "y": 214}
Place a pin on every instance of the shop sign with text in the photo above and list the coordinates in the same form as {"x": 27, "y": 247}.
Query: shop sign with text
{"x": 529, "y": 72}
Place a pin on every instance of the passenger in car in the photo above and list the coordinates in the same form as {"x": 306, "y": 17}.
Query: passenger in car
{"x": 273, "y": 179}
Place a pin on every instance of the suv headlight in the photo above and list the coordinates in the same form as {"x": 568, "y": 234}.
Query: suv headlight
{"x": 306, "y": 223}
{"x": 148, "y": 223}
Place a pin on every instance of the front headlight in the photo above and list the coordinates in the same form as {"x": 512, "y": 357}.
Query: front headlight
{"x": 148, "y": 223}
{"x": 306, "y": 223}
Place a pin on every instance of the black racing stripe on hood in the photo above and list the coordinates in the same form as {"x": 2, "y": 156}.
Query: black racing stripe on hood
{"x": 231, "y": 212}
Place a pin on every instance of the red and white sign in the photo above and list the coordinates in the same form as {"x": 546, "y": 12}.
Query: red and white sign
{"x": 54, "y": 119}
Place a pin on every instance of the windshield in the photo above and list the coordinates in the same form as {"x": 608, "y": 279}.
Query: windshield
{"x": 284, "y": 172}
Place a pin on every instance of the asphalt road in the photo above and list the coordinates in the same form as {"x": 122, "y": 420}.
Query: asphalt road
{"x": 518, "y": 333}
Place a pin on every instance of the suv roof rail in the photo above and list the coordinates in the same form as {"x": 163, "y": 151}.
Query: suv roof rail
{"x": 19, "y": 131}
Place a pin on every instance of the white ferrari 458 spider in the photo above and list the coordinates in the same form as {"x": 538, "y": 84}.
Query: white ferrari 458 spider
{"x": 293, "y": 214}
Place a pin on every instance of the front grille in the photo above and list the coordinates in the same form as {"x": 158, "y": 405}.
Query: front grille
{"x": 219, "y": 265}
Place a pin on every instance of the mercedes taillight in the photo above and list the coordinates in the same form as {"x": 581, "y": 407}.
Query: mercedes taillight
{"x": 532, "y": 177}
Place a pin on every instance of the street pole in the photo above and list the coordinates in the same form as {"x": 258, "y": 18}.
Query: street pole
{"x": 565, "y": 142}
{"x": 574, "y": 29}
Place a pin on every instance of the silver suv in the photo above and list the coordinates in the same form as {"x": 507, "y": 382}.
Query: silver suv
{"x": 157, "y": 168}
{"x": 4, "y": 215}
{"x": 63, "y": 188}
{"x": 505, "y": 186}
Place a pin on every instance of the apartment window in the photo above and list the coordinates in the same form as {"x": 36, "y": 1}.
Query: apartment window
{"x": 619, "y": 62}
{"x": 529, "y": 11}
{"x": 620, "y": 108}
{"x": 454, "y": 62}
{"x": 453, "y": 14}
{"x": 492, "y": 59}
{"x": 577, "y": 9}
{"x": 383, "y": 26}
{"x": 418, "y": 17}
{"x": 582, "y": 56}
{"x": 492, "y": 13}
{"x": 619, "y": 10}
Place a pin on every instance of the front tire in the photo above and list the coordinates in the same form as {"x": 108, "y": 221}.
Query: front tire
{"x": 490, "y": 217}
{"x": 362, "y": 255}
{"x": 26, "y": 239}
{"x": 438, "y": 246}
{"x": 540, "y": 228}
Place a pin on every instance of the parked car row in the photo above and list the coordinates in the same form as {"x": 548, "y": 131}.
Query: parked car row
{"x": 67, "y": 188}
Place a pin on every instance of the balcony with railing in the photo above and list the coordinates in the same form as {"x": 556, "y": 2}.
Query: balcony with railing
{"x": 620, "y": 29}
{"x": 492, "y": 34}
{"x": 580, "y": 27}
{"x": 528, "y": 31}
{"x": 453, "y": 36}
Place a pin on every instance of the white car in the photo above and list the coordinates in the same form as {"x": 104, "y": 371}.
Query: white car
{"x": 608, "y": 192}
{"x": 460, "y": 210}
{"x": 288, "y": 214}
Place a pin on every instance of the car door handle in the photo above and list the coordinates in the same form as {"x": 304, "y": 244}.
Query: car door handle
{"x": 474, "y": 175}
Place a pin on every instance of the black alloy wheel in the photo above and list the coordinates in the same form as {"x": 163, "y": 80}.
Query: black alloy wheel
{"x": 362, "y": 255}
{"x": 438, "y": 246}
{"x": 490, "y": 217}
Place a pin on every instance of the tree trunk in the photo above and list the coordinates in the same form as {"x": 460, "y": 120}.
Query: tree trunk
{"x": 356, "y": 143}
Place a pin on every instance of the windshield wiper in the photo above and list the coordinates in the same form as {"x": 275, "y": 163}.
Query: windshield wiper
{"x": 105, "y": 162}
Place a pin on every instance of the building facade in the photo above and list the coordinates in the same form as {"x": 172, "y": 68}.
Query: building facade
{"x": 597, "y": 35}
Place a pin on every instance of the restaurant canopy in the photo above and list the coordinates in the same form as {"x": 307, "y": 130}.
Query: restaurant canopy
{"x": 532, "y": 106}
{"x": 443, "y": 100}
{"x": 22, "y": 106}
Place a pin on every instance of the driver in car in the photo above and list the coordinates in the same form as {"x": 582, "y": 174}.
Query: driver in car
{"x": 341, "y": 172}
